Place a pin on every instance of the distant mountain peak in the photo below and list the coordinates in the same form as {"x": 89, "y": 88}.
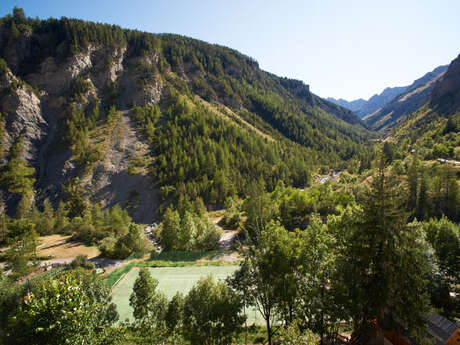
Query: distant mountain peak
{"x": 366, "y": 108}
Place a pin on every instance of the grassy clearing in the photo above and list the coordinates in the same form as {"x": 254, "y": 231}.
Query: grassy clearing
{"x": 171, "y": 259}
{"x": 171, "y": 280}
{"x": 61, "y": 247}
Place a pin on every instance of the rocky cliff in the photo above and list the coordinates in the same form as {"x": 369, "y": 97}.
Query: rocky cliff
{"x": 68, "y": 89}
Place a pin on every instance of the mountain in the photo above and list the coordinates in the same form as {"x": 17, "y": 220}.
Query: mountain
{"x": 376, "y": 106}
{"x": 446, "y": 92}
{"x": 354, "y": 106}
{"x": 362, "y": 107}
{"x": 93, "y": 113}
{"x": 417, "y": 94}
{"x": 434, "y": 128}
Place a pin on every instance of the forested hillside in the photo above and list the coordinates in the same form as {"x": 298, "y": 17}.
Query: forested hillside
{"x": 134, "y": 166}
{"x": 102, "y": 114}
{"x": 434, "y": 128}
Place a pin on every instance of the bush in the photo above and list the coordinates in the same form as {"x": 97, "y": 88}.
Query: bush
{"x": 133, "y": 242}
{"x": 3, "y": 66}
{"x": 82, "y": 261}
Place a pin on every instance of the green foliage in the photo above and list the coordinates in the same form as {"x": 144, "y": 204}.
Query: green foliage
{"x": 433, "y": 192}
{"x": 317, "y": 306}
{"x": 201, "y": 155}
{"x": 11, "y": 295}
{"x": 22, "y": 247}
{"x": 444, "y": 236}
{"x": 431, "y": 134}
{"x": 81, "y": 261}
{"x": 150, "y": 307}
{"x": 234, "y": 79}
{"x": 75, "y": 200}
{"x": 212, "y": 313}
{"x": 3, "y": 66}
{"x": 233, "y": 214}
{"x": 17, "y": 176}
{"x": 292, "y": 207}
{"x": 2, "y": 132}
{"x": 174, "y": 316}
{"x": 134, "y": 242}
{"x": 72, "y": 308}
{"x": 188, "y": 232}
{"x": 382, "y": 263}
{"x": 78, "y": 129}
{"x": 286, "y": 276}
{"x": 181, "y": 256}
{"x": 292, "y": 335}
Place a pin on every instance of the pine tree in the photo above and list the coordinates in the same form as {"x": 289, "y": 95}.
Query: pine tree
{"x": 412, "y": 179}
{"x": 170, "y": 231}
{"x": 388, "y": 262}
{"x": 149, "y": 306}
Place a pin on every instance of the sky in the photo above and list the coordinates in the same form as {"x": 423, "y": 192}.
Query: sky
{"x": 344, "y": 48}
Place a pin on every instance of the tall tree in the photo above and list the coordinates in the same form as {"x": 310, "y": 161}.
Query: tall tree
{"x": 149, "y": 307}
{"x": 412, "y": 179}
{"x": 212, "y": 313}
{"x": 386, "y": 262}
{"x": 260, "y": 276}
{"x": 174, "y": 317}
{"x": 170, "y": 231}
{"x": 316, "y": 303}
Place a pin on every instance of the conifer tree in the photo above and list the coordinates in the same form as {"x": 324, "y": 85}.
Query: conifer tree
{"x": 149, "y": 306}
{"x": 387, "y": 261}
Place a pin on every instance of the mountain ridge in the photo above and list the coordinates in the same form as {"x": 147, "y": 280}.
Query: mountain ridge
{"x": 365, "y": 108}
{"x": 416, "y": 95}
{"x": 81, "y": 98}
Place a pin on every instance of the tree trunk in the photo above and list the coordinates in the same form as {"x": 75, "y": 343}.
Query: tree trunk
{"x": 269, "y": 331}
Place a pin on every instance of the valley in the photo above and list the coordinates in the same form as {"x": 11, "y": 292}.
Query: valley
{"x": 158, "y": 189}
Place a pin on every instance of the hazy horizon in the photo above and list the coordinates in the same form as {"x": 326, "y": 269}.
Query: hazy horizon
{"x": 344, "y": 50}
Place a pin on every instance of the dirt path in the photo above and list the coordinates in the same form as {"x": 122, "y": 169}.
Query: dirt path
{"x": 227, "y": 239}
{"x": 228, "y": 236}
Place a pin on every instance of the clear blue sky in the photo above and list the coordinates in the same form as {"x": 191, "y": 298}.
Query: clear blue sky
{"x": 342, "y": 48}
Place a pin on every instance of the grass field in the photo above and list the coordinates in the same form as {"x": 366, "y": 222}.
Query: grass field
{"x": 61, "y": 247}
{"x": 172, "y": 280}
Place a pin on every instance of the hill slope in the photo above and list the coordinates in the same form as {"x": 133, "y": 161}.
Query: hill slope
{"x": 117, "y": 116}
{"x": 434, "y": 128}
{"x": 407, "y": 102}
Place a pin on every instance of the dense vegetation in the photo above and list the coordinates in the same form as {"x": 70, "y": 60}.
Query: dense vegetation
{"x": 315, "y": 258}
{"x": 200, "y": 155}
{"x": 431, "y": 134}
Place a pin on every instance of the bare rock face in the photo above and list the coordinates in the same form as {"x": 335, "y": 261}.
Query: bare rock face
{"x": 23, "y": 115}
{"x": 150, "y": 94}
{"x": 108, "y": 64}
{"x": 39, "y": 113}
{"x": 110, "y": 181}
{"x": 136, "y": 91}
{"x": 54, "y": 78}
